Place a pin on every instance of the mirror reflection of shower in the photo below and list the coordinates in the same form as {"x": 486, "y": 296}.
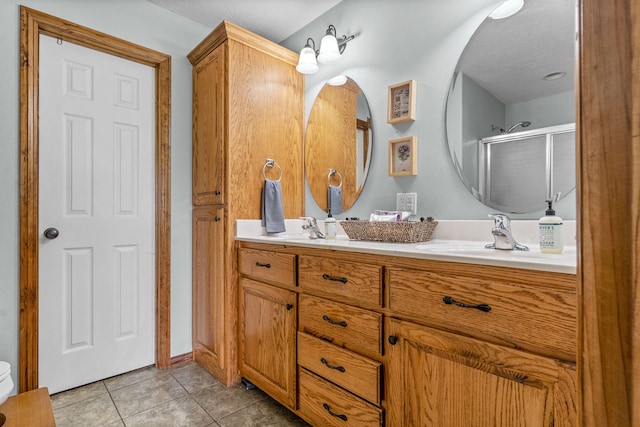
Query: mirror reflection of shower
{"x": 504, "y": 132}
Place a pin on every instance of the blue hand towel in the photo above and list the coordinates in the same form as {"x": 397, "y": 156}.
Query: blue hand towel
{"x": 272, "y": 209}
{"x": 334, "y": 195}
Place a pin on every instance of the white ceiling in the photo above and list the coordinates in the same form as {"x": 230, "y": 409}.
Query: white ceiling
{"x": 273, "y": 19}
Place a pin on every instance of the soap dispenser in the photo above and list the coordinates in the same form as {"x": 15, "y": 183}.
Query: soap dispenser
{"x": 330, "y": 228}
{"x": 551, "y": 230}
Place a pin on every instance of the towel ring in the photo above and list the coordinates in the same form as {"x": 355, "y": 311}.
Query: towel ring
{"x": 269, "y": 164}
{"x": 334, "y": 172}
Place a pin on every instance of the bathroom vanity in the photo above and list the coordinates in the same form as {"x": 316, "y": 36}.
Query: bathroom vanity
{"x": 362, "y": 333}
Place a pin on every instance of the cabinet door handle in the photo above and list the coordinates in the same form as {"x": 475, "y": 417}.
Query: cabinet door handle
{"x": 330, "y": 366}
{"x": 334, "y": 279}
{"x": 289, "y": 306}
{"x": 217, "y": 192}
{"x": 393, "y": 340}
{"x": 482, "y": 307}
{"x": 343, "y": 417}
{"x": 334, "y": 322}
{"x": 258, "y": 264}
{"x": 216, "y": 219}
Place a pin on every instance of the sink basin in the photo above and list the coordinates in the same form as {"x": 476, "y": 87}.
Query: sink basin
{"x": 477, "y": 249}
{"x": 285, "y": 236}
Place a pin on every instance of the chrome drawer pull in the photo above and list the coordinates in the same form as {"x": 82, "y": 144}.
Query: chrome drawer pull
{"x": 333, "y": 322}
{"x": 334, "y": 279}
{"x": 482, "y": 307}
{"x": 330, "y": 366}
{"x": 328, "y": 409}
{"x": 263, "y": 265}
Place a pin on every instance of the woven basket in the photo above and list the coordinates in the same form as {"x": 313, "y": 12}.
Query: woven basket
{"x": 391, "y": 232}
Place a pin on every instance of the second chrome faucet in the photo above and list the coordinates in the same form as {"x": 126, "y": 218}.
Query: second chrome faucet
{"x": 502, "y": 235}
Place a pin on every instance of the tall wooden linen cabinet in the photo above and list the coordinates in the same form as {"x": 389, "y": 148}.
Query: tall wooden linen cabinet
{"x": 248, "y": 106}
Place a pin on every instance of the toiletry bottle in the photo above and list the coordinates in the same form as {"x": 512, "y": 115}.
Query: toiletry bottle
{"x": 551, "y": 231}
{"x": 330, "y": 228}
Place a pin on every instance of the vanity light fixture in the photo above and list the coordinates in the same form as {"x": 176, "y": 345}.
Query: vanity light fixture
{"x": 506, "y": 9}
{"x": 331, "y": 48}
{"x": 338, "y": 80}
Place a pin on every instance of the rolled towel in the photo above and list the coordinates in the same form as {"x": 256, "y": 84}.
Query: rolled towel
{"x": 272, "y": 208}
{"x": 334, "y": 195}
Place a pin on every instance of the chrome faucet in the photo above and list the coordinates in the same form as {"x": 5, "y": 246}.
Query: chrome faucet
{"x": 503, "y": 239}
{"x": 311, "y": 226}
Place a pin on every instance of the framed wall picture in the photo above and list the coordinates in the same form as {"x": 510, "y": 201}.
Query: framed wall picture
{"x": 403, "y": 156}
{"x": 402, "y": 102}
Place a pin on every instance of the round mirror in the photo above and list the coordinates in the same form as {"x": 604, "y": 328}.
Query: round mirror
{"x": 510, "y": 116}
{"x": 338, "y": 143}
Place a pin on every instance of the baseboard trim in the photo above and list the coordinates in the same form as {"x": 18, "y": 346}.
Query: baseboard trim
{"x": 183, "y": 358}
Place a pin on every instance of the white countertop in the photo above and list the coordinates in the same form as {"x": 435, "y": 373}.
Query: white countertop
{"x": 451, "y": 248}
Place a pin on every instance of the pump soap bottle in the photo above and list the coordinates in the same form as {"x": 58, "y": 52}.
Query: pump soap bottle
{"x": 551, "y": 231}
{"x": 330, "y": 228}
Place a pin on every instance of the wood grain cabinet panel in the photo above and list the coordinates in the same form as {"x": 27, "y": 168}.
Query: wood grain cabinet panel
{"x": 542, "y": 319}
{"x": 329, "y": 405}
{"x": 268, "y": 339}
{"x": 273, "y": 267}
{"x": 343, "y": 325}
{"x": 346, "y": 281}
{"x": 358, "y": 374}
{"x": 436, "y": 378}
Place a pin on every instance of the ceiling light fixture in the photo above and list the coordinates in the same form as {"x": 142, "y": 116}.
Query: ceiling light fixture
{"x": 506, "y": 9}
{"x": 331, "y": 48}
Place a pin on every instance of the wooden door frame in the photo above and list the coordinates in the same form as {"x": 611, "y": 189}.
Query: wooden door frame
{"x": 608, "y": 169}
{"x": 32, "y": 24}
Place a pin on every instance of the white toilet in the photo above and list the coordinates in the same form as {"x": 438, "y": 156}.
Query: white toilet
{"x": 6, "y": 383}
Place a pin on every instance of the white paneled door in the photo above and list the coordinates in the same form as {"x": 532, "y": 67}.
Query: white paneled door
{"x": 96, "y": 215}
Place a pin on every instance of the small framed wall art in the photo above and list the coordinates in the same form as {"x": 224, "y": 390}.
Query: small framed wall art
{"x": 402, "y": 102}
{"x": 403, "y": 156}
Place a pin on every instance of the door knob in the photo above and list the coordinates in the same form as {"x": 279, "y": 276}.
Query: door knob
{"x": 51, "y": 233}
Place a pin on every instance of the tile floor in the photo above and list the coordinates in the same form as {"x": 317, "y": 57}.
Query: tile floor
{"x": 184, "y": 395}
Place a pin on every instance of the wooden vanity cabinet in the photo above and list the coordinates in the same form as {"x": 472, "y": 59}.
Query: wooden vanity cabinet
{"x": 248, "y": 106}
{"x": 404, "y": 342}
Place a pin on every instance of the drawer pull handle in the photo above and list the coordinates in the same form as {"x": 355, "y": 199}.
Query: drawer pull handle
{"x": 334, "y": 279}
{"x": 330, "y": 366}
{"x": 343, "y": 417}
{"x": 289, "y": 306}
{"x": 333, "y": 322}
{"x": 482, "y": 307}
{"x": 263, "y": 265}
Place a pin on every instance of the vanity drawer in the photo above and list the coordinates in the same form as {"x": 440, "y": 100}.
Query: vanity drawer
{"x": 274, "y": 267}
{"x": 537, "y": 318}
{"x": 342, "y": 280}
{"x": 354, "y": 328}
{"x": 358, "y": 374}
{"x": 329, "y": 405}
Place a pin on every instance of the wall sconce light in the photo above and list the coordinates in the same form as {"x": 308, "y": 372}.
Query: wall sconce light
{"x": 331, "y": 49}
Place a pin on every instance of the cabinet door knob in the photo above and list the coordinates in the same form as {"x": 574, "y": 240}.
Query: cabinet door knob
{"x": 216, "y": 219}
{"x": 217, "y": 192}
{"x": 482, "y": 307}
{"x": 393, "y": 339}
{"x": 289, "y": 306}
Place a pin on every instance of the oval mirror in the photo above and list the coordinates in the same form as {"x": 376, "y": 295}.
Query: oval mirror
{"x": 338, "y": 143}
{"x": 510, "y": 116}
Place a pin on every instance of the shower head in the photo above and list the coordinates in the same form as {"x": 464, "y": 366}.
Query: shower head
{"x": 523, "y": 124}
